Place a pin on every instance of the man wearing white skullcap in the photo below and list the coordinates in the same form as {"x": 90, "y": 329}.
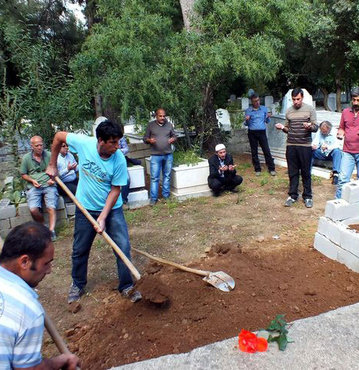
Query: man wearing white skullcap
{"x": 222, "y": 172}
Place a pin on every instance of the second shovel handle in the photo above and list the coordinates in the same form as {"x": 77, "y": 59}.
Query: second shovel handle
{"x": 109, "y": 240}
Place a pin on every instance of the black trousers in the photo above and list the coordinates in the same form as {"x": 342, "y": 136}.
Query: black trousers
{"x": 299, "y": 159}
{"x": 256, "y": 137}
{"x": 224, "y": 183}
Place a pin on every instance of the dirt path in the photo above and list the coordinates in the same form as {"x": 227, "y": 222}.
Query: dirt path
{"x": 264, "y": 246}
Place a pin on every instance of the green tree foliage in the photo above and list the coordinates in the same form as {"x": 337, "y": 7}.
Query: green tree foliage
{"x": 137, "y": 59}
{"x": 37, "y": 39}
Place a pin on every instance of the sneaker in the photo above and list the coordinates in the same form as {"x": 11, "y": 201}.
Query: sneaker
{"x": 273, "y": 173}
{"x": 233, "y": 190}
{"x": 258, "y": 173}
{"x": 335, "y": 179}
{"x": 289, "y": 202}
{"x": 308, "y": 202}
{"x": 74, "y": 293}
{"x": 53, "y": 236}
{"x": 131, "y": 294}
{"x": 153, "y": 202}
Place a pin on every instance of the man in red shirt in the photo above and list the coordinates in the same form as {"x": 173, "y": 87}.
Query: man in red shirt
{"x": 349, "y": 130}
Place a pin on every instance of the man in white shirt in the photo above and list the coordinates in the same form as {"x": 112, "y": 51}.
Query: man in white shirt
{"x": 67, "y": 167}
{"x": 326, "y": 148}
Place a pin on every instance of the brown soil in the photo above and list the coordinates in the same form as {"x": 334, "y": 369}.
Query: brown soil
{"x": 354, "y": 227}
{"x": 264, "y": 246}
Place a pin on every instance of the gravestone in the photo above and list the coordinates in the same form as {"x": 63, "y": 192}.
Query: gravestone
{"x": 245, "y": 103}
{"x": 287, "y": 100}
{"x": 223, "y": 118}
{"x": 268, "y": 101}
{"x": 332, "y": 102}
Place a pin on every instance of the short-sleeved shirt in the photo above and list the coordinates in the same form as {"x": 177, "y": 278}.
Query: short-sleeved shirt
{"x": 21, "y": 323}
{"x": 258, "y": 118}
{"x": 350, "y": 124}
{"x": 36, "y": 170}
{"x": 96, "y": 174}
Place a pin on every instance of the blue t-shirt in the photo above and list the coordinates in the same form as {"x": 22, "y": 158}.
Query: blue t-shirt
{"x": 258, "y": 118}
{"x": 21, "y": 323}
{"x": 96, "y": 174}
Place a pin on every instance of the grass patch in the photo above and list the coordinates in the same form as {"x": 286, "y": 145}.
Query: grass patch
{"x": 134, "y": 216}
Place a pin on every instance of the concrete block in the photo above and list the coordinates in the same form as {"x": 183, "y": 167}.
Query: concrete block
{"x": 349, "y": 240}
{"x": 326, "y": 247}
{"x": 23, "y": 209}
{"x": 7, "y": 212}
{"x": 349, "y": 260}
{"x": 138, "y": 196}
{"x": 137, "y": 176}
{"x": 60, "y": 214}
{"x": 70, "y": 209}
{"x": 60, "y": 203}
{"x": 331, "y": 229}
{"x": 350, "y": 192}
{"x": 4, "y": 233}
{"x": 15, "y": 221}
{"x": 4, "y": 224}
{"x": 340, "y": 209}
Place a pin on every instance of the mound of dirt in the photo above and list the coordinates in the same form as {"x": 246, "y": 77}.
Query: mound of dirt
{"x": 286, "y": 279}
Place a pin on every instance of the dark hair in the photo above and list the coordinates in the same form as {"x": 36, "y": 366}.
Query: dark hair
{"x": 30, "y": 238}
{"x": 326, "y": 123}
{"x": 158, "y": 109}
{"x": 254, "y": 96}
{"x": 297, "y": 91}
{"x": 354, "y": 91}
{"x": 107, "y": 130}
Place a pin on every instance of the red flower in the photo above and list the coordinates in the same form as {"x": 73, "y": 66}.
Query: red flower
{"x": 249, "y": 342}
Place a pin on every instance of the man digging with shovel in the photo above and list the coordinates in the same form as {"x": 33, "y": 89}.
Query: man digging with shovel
{"x": 102, "y": 172}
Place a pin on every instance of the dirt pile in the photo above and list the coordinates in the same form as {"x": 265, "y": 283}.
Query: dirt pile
{"x": 298, "y": 282}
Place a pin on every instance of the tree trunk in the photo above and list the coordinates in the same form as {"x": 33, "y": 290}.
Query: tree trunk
{"x": 187, "y": 13}
{"x": 325, "y": 97}
{"x": 338, "y": 95}
{"x": 210, "y": 131}
{"x": 98, "y": 105}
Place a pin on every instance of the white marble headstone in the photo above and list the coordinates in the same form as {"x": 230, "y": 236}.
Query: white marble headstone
{"x": 287, "y": 100}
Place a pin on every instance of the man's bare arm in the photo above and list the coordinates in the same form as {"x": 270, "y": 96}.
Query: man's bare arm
{"x": 59, "y": 139}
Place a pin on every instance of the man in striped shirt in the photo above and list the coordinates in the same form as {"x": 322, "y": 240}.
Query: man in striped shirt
{"x": 24, "y": 261}
{"x": 300, "y": 122}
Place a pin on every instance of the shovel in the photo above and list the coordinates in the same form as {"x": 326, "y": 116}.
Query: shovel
{"x": 218, "y": 279}
{"x": 56, "y": 337}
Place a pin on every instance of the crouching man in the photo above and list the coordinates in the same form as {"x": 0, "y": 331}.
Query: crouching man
{"x": 24, "y": 261}
{"x": 222, "y": 172}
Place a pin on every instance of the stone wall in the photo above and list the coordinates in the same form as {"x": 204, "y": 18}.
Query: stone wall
{"x": 10, "y": 216}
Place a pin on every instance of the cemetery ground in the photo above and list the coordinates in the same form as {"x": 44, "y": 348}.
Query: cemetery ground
{"x": 266, "y": 247}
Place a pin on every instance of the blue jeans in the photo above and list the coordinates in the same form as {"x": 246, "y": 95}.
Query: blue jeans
{"x": 50, "y": 194}
{"x": 335, "y": 155}
{"x": 349, "y": 160}
{"x": 158, "y": 163}
{"x": 84, "y": 234}
{"x": 126, "y": 189}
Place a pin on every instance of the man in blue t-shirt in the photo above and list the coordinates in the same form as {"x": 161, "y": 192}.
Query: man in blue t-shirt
{"x": 25, "y": 260}
{"x": 102, "y": 172}
{"x": 257, "y": 117}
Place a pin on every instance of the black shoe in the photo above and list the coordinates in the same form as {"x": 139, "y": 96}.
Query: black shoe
{"x": 233, "y": 190}
{"x": 335, "y": 179}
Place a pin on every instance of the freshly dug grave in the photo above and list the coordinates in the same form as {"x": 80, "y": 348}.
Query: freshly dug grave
{"x": 284, "y": 278}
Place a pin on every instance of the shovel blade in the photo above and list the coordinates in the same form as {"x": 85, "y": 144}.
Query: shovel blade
{"x": 220, "y": 280}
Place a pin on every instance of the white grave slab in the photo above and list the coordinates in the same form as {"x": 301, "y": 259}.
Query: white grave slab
{"x": 288, "y": 102}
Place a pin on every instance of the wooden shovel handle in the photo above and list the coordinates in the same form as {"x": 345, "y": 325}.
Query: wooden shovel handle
{"x": 114, "y": 246}
{"x": 56, "y": 337}
{"x": 174, "y": 264}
